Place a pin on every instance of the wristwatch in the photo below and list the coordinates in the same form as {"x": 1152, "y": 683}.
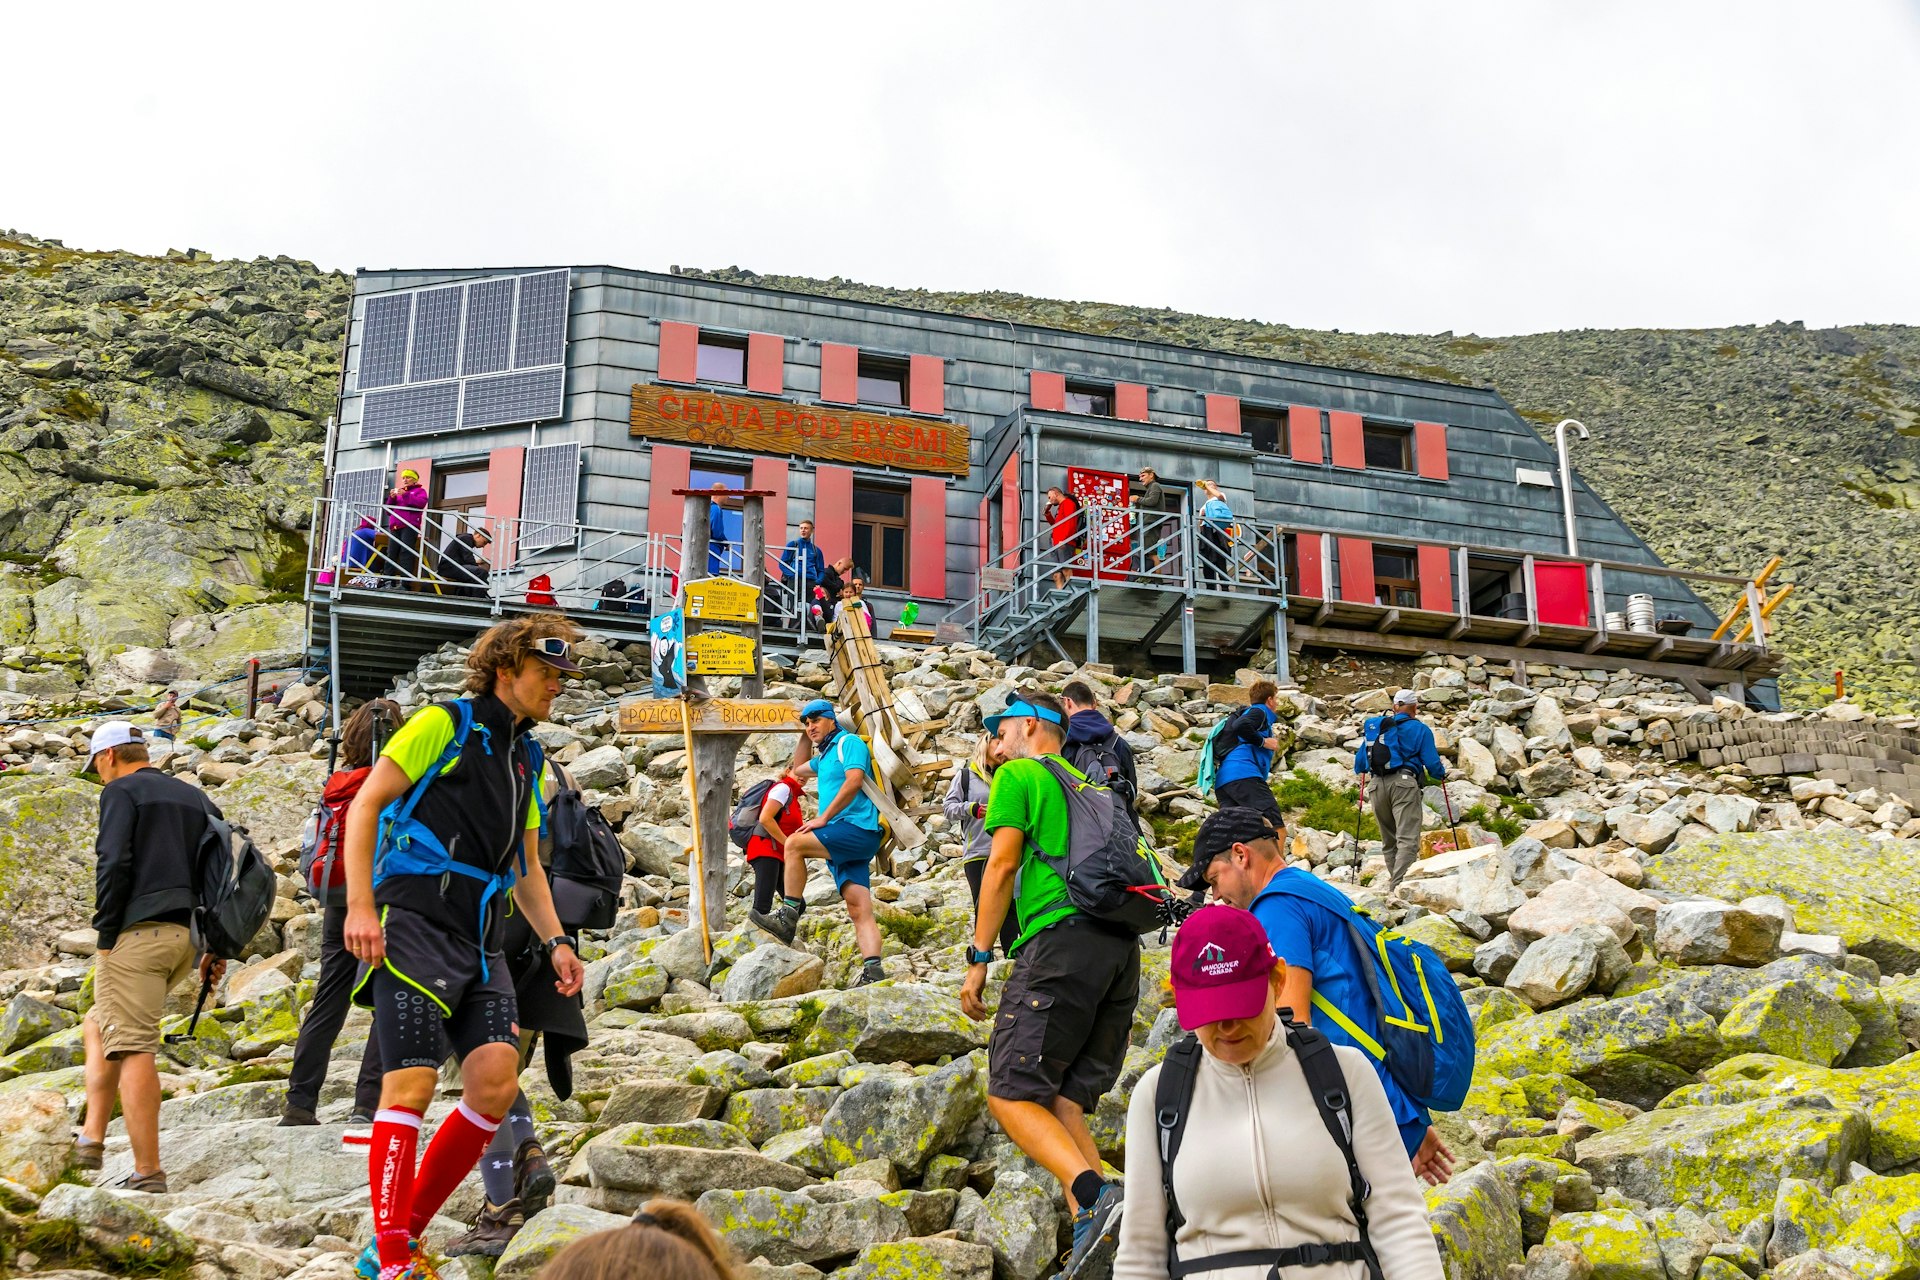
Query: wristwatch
{"x": 548, "y": 947}
{"x": 975, "y": 956}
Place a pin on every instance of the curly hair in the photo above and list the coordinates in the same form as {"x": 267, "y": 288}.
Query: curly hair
{"x": 667, "y": 1240}
{"x": 506, "y": 646}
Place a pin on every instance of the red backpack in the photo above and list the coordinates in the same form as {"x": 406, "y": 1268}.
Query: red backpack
{"x": 322, "y": 864}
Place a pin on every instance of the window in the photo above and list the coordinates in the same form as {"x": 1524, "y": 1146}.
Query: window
{"x": 880, "y": 535}
{"x": 721, "y": 358}
{"x": 1388, "y": 448}
{"x": 1267, "y": 428}
{"x": 460, "y": 489}
{"x": 1092, "y": 398}
{"x": 1396, "y": 577}
{"x": 882, "y": 381}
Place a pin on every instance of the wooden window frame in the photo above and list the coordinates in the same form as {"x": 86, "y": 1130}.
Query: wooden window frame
{"x": 869, "y": 367}
{"x": 874, "y": 564}
{"x": 1403, "y": 435}
{"x": 1254, "y": 417}
{"x": 1393, "y": 591}
{"x": 1090, "y": 391}
{"x": 720, "y": 342}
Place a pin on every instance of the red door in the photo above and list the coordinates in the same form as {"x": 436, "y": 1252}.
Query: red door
{"x": 1108, "y": 490}
{"x": 1562, "y": 591}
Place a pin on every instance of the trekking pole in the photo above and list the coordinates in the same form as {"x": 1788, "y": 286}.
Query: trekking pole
{"x": 1359, "y": 798}
{"x": 206, "y": 987}
{"x": 1448, "y": 801}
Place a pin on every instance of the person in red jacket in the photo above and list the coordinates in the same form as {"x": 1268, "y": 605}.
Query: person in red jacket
{"x": 1063, "y": 518}
{"x": 780, "y": 817}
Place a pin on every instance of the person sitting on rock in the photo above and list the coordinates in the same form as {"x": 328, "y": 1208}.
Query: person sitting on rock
{"x": 846, "y": 833}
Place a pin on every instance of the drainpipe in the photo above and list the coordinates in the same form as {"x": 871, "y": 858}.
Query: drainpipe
{"x": 1566, "y": 478}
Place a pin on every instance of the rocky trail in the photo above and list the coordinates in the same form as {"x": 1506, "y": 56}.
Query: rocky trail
{"x": 1693, "y": 988}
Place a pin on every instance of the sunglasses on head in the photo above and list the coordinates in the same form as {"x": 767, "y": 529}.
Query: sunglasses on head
{"x": 553, "y": 646}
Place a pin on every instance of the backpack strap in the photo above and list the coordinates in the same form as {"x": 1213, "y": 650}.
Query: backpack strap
{"x": 460, "y": 711}
{"x": 1172, "y": 1099}
{"x": 1328, "y": 1084}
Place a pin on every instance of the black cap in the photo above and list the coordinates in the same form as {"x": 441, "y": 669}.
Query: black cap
{"x": 1219, "y": 833}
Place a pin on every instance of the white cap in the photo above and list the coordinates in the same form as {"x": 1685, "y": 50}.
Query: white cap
{"x": 1406, "y": 698}
{"x": 113, "y": 733}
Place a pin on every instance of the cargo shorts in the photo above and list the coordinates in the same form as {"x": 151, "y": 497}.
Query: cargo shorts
{"x": 1066, "y": 1015}
{"x": 132, "y": 981}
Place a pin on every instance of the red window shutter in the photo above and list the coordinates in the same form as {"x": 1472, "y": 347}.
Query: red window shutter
{"x": 1130, "y": 401}
{"x": 1560, "y": 588}
{"x": 771, "y": 474}
{"x": 1349, "y": 442}
{"x": 1303, "y": 434}
{"x": 833, "y": 511}
{"x": 1430, "y": 449}
{"x": 1223, "y": 414}
{"x": 1436, "y": 579}
{"x": 766, "y": 364}
{"x": 505, "y": 469}
{"x": 927, "y": 538}
{"x": 1010, "y": 513}
{"x": 927, "y": 384}
{"x": 1047, "y": 390}
{"x": 986, "y": 530}
{"x": 666, "y": 471}
{"x": 839, "y": 375}
{"x": 679, "y": 353}
{"x": 1313, "y": 574}
{"x": 1356, "y": 570}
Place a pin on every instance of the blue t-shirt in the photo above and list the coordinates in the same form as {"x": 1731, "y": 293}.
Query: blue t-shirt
{"x": 1313, "y": 935}
{"x": 845, "y": 751}
{"x": 1249, "y": 759}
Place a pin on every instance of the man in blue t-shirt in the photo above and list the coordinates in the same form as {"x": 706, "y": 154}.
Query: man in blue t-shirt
{"x": 1241, "y": 782}
{"x": 1237, "y": 855}
{"x": 846, "y": 833}
{"x": 1412, "y": 758}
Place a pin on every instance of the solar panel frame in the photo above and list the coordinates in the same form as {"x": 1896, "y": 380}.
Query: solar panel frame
{"x": 534, "y": 395}
{"x": 488, "y": 343}
{"x": 540, "y": 321}
{"x": 434, "y": 354}
{"x": 385, "y": 331}
{"x": 424, "y": 410}
{"x": 355, "y": 494}
{"x": 549, "y": 497}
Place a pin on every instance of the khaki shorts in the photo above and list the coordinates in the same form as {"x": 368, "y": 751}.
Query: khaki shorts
{"x": 131, "y": 982}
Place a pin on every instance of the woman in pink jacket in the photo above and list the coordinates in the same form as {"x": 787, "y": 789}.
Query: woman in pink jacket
{"x": 406, "y": 514}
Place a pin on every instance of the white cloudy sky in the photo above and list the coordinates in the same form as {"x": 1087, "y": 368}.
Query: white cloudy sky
{"x": 1494, "y": 167}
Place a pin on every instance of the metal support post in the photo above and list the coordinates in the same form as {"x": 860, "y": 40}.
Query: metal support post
{"x": 1282, "y": 660}
{"x": 1189, "y": 662}
{"x": 1097, "y": 549}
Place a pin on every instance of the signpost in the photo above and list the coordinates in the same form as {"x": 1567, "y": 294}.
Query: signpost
{"x": 716, "y": 653}
{"x": 723, "y": 600}
{"x": 761, "y": 426}
{"x": 715, "y": 715}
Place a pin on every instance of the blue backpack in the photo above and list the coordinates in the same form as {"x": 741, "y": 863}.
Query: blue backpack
{"x": 408, "y": 847}
{"x": 1426, "y": 1032}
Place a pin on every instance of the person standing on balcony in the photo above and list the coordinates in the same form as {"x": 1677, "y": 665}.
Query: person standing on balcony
{"x": 1399, "y": 753}
{"x": 803, "y": 565}
{"x": 406, "y": 513}
{"x": 1063, "y": 518}
{"x": 1216, "y": 536}
{"x": 1156, "y": 531}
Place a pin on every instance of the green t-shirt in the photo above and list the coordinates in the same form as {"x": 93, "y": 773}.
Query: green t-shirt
{"x": 419, "y": 742}
{"x": 1026, "y": 796}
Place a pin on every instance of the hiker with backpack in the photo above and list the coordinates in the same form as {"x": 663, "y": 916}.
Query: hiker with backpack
{"x": 324, "y": 869}
{"x": 1066, "y": 1013}
{"x": 845, "y": 833}
{"x": 1258, "y": 1147}
{"x": 444, "y": 829}
{"x": 1095, "y": 747}
{"x": 1244, "y": 751}
{"x": 146, "y": 893}
{"x": 767, "y": 814}
{"x": 1334, "y": 982}
{"x": 1399, "y": 753}
{"x": 966, "y": 809}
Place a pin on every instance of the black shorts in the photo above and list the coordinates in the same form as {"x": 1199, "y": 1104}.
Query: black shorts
{"x": 429, "y": 971}
{"x": 1066, "y": 1015}
{"x": 1250, "y": 793}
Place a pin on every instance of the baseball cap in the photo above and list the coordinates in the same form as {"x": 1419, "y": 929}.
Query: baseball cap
{"x": 1223, "y": 829}
{"x": 1406, "y": 698}
{"x": 1222, "y": 967}
{"x": 555, "y": 652}
{"x": 1023, "y": 708}
{"x": 817, "y": 709}
{"x": 114, "y": 733}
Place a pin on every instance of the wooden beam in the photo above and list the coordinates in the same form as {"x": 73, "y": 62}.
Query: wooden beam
{"x": 1324, "y": 612}
{"x": 1415, "y": 646}
{"x": 1459, "y": 627}
{"x": 1527, "y": 636}
{"x": 1661, "y": 649}
{"x": 1251, "y": 632}
{"x": 1388, "y": 621}
{"x": 1594, "y": 642}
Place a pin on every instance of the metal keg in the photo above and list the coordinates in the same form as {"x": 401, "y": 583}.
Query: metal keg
{"x": 1640, "y": 614}
{"x": 1616, "y": 621}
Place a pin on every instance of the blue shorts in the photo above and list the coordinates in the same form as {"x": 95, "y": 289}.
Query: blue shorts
{"x": 850, "y": 851}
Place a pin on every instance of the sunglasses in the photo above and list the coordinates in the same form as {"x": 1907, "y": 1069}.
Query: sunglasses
{"x": 552, "y": 647}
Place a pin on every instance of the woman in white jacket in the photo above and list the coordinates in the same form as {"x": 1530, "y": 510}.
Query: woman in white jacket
{"x": 1257, "y": 1170}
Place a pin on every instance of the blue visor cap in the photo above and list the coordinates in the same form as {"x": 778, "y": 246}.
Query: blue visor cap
{"x": 819, "y": 707}
{"x": 1017, "y": 709}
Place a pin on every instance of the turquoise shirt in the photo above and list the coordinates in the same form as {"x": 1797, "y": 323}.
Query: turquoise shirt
{"x": 845, "y": 751}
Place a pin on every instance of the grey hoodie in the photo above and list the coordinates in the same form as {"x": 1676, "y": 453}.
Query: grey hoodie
{"x": 967, "y": 790}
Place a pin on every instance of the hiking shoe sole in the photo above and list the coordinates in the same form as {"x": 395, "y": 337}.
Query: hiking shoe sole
{"x": 1093, "y": 1259}
{"x": 777, "y": 925}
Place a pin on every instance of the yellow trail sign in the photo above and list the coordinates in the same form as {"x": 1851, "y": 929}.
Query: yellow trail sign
{"x": 716, "y": 715}
{"x": 720, "y": 653}
{"x": 722, "y": 600}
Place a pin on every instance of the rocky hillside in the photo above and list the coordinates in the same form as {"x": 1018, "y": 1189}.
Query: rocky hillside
{"x": 1693, "y": 991}
{"x": 1720, "y": 446}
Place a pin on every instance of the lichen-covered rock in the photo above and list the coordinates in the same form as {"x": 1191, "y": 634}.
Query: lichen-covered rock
{"x": 547, "y": 1233}
{"x": 681, "y": 1172}
{"x": 1791, "y": 1020}
{"x": 634, "y": 983}
{"x": 661, "y": 1102}
{"x": 1540, "y": 1187}
{"x": 1440, "y": 933}
{"x": 117, "y": 1227}
{"x": 26, "y": 1020}
{"x": 786, "y": 1227}
{"x": 1020, "y": 1221}
{"x": 1716, "y": 933}
{"x": 1562, "y": 966}
{"x": 1636, "y": 1049}
{"x": 931, "y": 1259}
{"x": 762, "y": 1113}
{"x": 47, "y": 825}
{"x": 1727, "y": 1156}
{"x": 772, "y": 972}
{"x": 36, "y": 1140}
{"x": 1616, "y": 1244}
{"x": 905, "y": 1121}
{"x": 1476, "y": 1222}
{"x": 1871, "y": 1225}
{"x": 905, "y": 1023}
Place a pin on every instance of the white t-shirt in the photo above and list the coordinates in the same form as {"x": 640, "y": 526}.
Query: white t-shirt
{"x": 780, "y": 794}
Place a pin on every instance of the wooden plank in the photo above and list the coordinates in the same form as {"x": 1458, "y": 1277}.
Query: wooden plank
{"x": 772, "y": 427}
{"x": 1414, "y": 646}
{"x": 715, "y": 715}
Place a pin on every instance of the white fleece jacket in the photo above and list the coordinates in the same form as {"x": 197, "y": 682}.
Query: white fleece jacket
{"x": 1258, "y": 1170}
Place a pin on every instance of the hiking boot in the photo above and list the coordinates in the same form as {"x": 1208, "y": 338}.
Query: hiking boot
{"x": 154, "y": 1184}
{"x": 782, "y": 922}
{"x": 1096, "y": 1235}
{"x": 490, "y": 1233}
{"x": 532, "y": 1177}
{"x": 294, "y": 1117}
{"x": 869, "y": 976}
{"x": 88, "y": 1154}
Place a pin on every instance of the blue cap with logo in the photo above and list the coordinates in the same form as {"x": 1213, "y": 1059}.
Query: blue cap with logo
{"x": 818, "y": 708}
{"x": 1023, "y": 708}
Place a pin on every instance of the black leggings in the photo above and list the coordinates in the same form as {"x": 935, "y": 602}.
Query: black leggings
{"x": 767, "y": 875}
{"x": 976, "y": 869}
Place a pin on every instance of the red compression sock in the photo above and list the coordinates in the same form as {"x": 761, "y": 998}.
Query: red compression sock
{"x": 396, "y": 1135}
{"x": 451, "y": 1156}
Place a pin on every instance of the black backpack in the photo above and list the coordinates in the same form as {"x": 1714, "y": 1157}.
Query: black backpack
{"x": 1221, "y": 743}
{"x": 588, "y": 866}
{"x": 1172, "y": 1099}
{"x": 744, "y": 822}
{"x": 235, "y": 887}
{"x": 1379, "y": 758}
{"x": 613, "y": 597}
{"x": 1099, "y": 759}
{"x": 1110, "y": 873}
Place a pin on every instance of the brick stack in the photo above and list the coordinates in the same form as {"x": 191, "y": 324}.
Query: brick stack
{"x": 1855, "y": 755}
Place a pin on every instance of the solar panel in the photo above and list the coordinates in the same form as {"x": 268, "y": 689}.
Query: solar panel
{"x": 513, "y": 397}
{"x": 355, "y": 494}
{"x": 383, "y": 340}
{"x": 540, "y": 330}
{"x": 549, "y": 497}
{"x": 436, "y": 334}
{"x": 489, "y": 326}
{"x": 409, "y": 411}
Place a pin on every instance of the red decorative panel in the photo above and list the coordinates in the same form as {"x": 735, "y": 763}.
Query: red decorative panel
{"x": 1436, "y": 579}
{"x": 1356, "y": 570}
{"x": 1312, "y": 577}
{"x": 839, "y": 377}
{"x": 927, "y": 384}
{"x": 766, "y": 364}
{"x": 667, "y": 470}
{"x": 1561, "y": 589}
{"x": 1047, "y": 390}
{"x": 1303, "y": 434}
{"x": 1130, "y": 401}
{"x": 1349, "y": 440}
{"x": 505, "y": 470}
{"x": 927, "y": 538}
{"x": 1430, "y": 449}
{"x": 1010, "y": 512}
{"x": 771, "y": 474}
{"x": 1108, "y": 491}
{"x": 1223, "y": 414}
{"x": 679, "y": 352}
{"x": 833, "y": 511}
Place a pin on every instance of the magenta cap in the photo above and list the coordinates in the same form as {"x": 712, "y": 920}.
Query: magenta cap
{"x": 1222, "y": 967}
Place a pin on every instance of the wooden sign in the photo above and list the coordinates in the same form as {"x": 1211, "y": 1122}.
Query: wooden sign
{"x": 996, "y": 579}
{"x": 721, "y": 653}
{"x": 716, "y": 715}
{"x": 722, "y": 600}
{"x": 807, "y": 431}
